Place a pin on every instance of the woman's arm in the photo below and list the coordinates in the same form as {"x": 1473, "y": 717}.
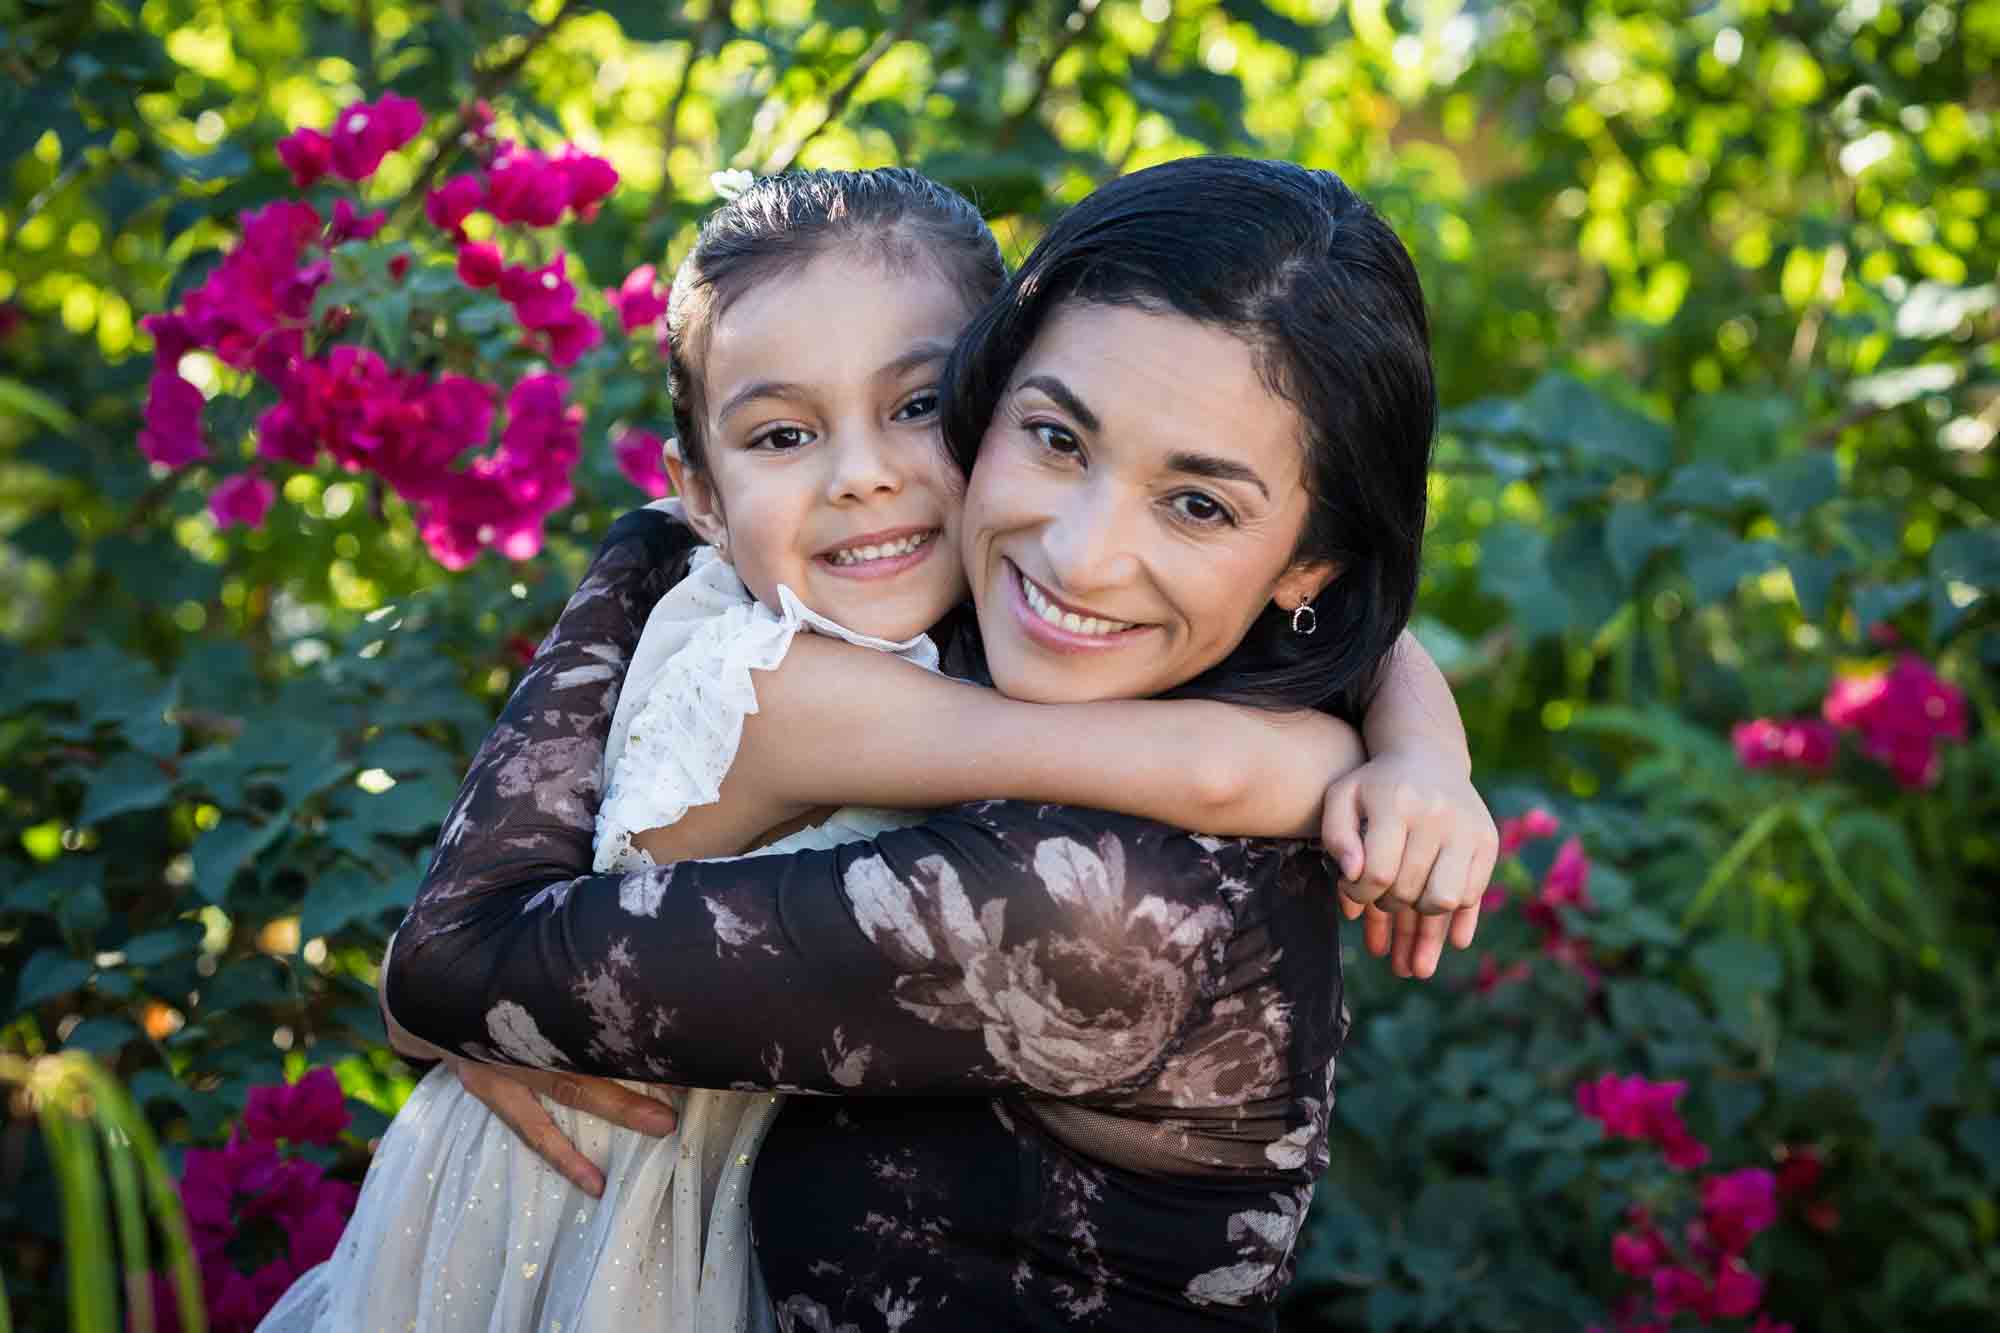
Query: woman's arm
{"x": 839, "y": 724}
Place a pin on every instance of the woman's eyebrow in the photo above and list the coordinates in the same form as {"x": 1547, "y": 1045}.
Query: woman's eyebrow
{"x": 759, "y": 389}
{"x": 1221, "y": 469}
{"x": 1064, "y": 399}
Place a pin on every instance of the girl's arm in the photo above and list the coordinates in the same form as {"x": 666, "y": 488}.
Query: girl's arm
{"x": 1000, "y": 945}
{"x": 839, "y": 724}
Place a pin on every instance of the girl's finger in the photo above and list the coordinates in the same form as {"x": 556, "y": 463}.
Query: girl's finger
{"x": 1428, "y": 946}
{"x": 1375, "y": 931}
{"x": 1340, "y": 828}
{"x": 1464, "y": 925}
{"x": 1445, "y": 890}
{"x": 1382, "y": 845}
{"x": 1420, "y": 854}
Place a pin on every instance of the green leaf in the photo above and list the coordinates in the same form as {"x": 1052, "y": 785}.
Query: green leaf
{"x": 348, "y": 895}
{"x": 1800, "y": 484}
{"x": 102, "y": 1035}
{"x": 1964, "y": 569}
{"x": 1813, "y": 577}
{"x": 158, "y": 946}
{"x": 18, "y": 400}
{"x": 1738, "y": 430}
{"x": 1716, "y": 563}
{"x": 1878, "y": 602}
{"x": 1514, "y": 568}
{"x": 48, "y": 974}
{"x": 1735, "y": 967}
{"x": 1710, "y": 486}
{"x": 227, "y": 848}
{"x": 1563, "y": 411}
{"x": 1633, "y": 532}
{"x": 127, "y": 782}
{"x": 1979, "y": 1135}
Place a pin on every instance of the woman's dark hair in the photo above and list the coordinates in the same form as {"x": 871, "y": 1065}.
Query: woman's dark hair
{"x": 1297, "y": 265}
{"x": 782, "y": 223}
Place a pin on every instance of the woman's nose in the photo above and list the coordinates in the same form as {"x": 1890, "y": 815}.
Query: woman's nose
{"x": 1091, "y": 542}
{"x": 865, "y": 466}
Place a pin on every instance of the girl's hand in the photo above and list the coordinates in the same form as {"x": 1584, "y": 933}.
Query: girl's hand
{"x": 1415, "y": 842}
{"x": 515, "y": 1096}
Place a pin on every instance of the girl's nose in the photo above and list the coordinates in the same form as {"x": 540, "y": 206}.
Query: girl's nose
{"x": 865, "y": 467}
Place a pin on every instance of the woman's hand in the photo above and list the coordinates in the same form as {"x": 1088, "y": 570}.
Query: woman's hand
{"x": 515, "y": 1096}
{"x": 1416, "y": 847}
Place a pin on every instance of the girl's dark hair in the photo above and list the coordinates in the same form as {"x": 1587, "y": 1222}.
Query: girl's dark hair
{"x": 782, "y": 223}
{"x": 1297, "y": 265}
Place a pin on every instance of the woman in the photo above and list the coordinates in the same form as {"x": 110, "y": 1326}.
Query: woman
{"x": 1100, "y": 1051}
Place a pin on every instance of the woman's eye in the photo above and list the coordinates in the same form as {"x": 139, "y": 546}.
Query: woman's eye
{"x": 919, "y": 407}
{"x": 780, "y": 439}
{"x": 1201, "y": 509}
{"x": 1056, "y": 439}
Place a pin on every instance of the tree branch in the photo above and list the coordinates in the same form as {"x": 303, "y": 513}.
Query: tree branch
{"x": 484, "y": 84}
{"x": 670, "y": 129}
{"x": 1074, "y": 27}
{"x": 837, "y": 103}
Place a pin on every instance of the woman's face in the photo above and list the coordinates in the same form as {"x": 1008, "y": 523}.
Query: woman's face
{"x": 1136, "y": 504}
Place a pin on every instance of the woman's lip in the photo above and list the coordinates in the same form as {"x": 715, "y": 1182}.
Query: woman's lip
{"x": 1055, "y": 636}
{"x": 881, "y": 569}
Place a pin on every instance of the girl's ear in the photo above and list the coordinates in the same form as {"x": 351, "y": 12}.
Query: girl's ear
{"x": 1303, "y": 582}
{"x": 698, "y": 498}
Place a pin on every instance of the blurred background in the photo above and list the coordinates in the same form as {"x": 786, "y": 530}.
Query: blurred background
{"x": 1711, "y": 566}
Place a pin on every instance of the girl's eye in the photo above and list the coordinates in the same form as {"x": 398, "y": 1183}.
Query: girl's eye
{"x": 782, "y": 439}
{"x": 1200, "y": 509}
{"x": 1056, "y": 439}
{"x": 919, "y": 407}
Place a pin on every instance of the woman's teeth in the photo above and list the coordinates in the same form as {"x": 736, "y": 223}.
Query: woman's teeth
{"x": 855, "y": 555}
{"x": 1069, "y": 620}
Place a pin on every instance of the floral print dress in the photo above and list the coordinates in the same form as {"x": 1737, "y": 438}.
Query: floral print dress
{"x": 1080, "y": 1064}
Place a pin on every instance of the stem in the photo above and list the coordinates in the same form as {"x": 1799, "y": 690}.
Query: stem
{"x": 1072, "y": 32}
{"x": 837, "y": 103}
{"x": 670, "y": 129}
{"x": 1732, "y": 860}
{"x": 86, "y": 1239}
{"x": 1843, "y": 887}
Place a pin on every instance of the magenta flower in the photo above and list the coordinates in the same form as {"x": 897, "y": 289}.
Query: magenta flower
{"x": 348, "y": 225}
{"x": 1638, "y": 1253}
{"x": 241, "y": 501}
{"x": 1568, "y": 882}
{"x": 1738, "y": 1205}
{"x": 572, "y": 336}
{"x": 172, "y": 435}
{"x": 312, "y": 1110}
{"x": 452, "y": 203}
{"x": 541, "y": 297}
{"x": 1514, "y": 833}
{"x": 524, "y": 186}
{"x": 172, "y": 340}
{"x": 639, "y": 457}
{"x": 479, "y": 264}
{"x": 590, "y": 179}
{"x": 281, "y": 434}
{"x": 1632, "y": 1107}
{"x": 639, "y": 300}
{"x": 1902, "y": 715}
{"x": 1798, "y": 743}
{"x": 1738, "y": 1291}
{"x": 1677, "y": 1291}
{"x": 367, "y": 132}
{"x": 307, "y": 154}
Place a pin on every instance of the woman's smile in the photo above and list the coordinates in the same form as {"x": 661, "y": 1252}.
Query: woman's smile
{"x": 1058, "y": 625}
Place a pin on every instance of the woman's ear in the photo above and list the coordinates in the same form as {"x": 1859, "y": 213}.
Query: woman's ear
{"x": 1303, "y": 582}
{"x": 698, "y": 498}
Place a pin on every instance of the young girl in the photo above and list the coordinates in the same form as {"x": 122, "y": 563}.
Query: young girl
{"x": 807, "y": 329}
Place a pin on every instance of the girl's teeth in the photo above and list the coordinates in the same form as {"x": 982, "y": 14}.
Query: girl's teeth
{"x": 855, "y": 555}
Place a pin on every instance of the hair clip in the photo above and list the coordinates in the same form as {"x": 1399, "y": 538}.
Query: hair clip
{"x": 729, "y": 184}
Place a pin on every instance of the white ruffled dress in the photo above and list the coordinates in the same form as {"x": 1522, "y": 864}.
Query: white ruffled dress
{"x": 460, "y": 1226}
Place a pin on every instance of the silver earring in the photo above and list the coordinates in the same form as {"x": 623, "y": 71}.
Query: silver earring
{"x": 1304, "y": 619}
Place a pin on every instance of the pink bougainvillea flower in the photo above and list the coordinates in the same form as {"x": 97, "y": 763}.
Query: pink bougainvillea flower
{"x": 524, "y": 186}
{"x": 1799, "y": 1172}
{"x": 639, "y": 457}
{"x": 572, "y": 336}
{"x": 1798, "y": 743}
{"x": 307, "y": 154}
{"x": 452, "y": 203}
{"x": 241, "y": 501}
{"x": 1492, "y": 976}
{"x": 1901, "y": 715}
{"x": 312, "y": 1110}
{"x": 259, "y": 285}
{"x": 1766, "y": 1324}
{"x": 1638, "y": 1253}
{"x": 1516, "y": 832}
{"x": 1633, "y": 1107}
{"x": 639, "y": 301}
{"x": 479, "y": 264}
{"x": 1679, "y": 1291}
{"x": 1568, "y": 882}
{"x": 541, "y": 297}
{"x": 1737, "y": 1205}
{"x": 1738, "y": 1291}
{"x": 172, "y": 435}
{"x": 349, "y": 225}
{"x": 367, "y": 132}
{"x": 281, "y": 434}
{"x": 590, "y": 179}
{"x": 173, "y": 339}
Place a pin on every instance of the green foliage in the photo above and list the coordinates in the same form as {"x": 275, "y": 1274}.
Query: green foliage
{"x": 1715, "y": 323}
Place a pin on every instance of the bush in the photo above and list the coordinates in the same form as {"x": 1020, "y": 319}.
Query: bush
{"x": 1711, "y": 561}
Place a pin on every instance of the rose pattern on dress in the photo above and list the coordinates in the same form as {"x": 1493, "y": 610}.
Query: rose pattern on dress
{"x": 1002, "y": 952}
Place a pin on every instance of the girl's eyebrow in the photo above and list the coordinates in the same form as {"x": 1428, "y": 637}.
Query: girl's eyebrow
{"x": 923, "y": 353}
{"x": 759, "y": 389}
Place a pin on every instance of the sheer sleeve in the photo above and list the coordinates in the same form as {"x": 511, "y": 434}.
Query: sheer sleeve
{"x": 997, "y": 945}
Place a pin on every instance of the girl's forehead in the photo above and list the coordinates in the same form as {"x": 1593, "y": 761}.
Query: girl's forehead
{"x": 842, "y": 311}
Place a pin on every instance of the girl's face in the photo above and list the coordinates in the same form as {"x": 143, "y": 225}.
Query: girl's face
{"x": 1136, "y": 505}
{"x": 825, "y": 470}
